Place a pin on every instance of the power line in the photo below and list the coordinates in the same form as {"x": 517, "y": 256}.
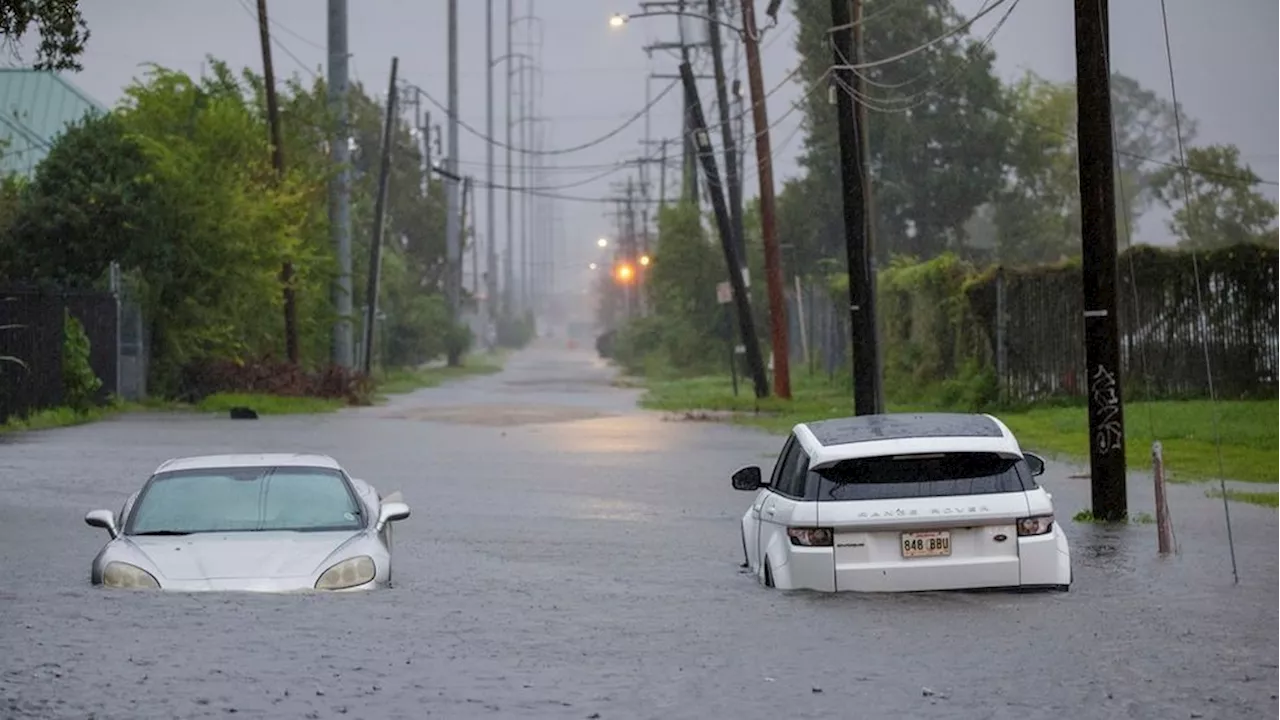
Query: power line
{"x": 559, "y": 151}
{"x": 927, "y": 45}
{"x": 1065, "y": 134}
{"x": 276, "y": 41}
{"x": 1204, "y": 324}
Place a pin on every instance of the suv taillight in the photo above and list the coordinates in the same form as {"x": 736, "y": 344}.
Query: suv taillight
{"x": 811, "y": 537}
{"x": 1038, "y": 525}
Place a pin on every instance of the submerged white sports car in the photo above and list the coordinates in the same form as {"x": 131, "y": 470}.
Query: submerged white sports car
{"x": 267, "y": 523}
{"x": 903, "y": 502}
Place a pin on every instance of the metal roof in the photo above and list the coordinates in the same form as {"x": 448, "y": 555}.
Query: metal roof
{"x": 35, "y": 107}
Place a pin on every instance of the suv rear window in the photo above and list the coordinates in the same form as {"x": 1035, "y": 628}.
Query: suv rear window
{"x": 920, "y": 476}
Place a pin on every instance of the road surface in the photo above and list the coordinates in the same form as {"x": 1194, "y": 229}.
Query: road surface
{"x": 570, "y": 556}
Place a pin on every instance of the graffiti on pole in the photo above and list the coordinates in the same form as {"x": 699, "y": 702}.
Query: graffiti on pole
{"x": 1109, "y": 434}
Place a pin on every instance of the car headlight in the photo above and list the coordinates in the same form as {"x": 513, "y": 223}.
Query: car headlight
{"x": 1038, "y": 525}
{"x": 348, "y": 573}
{"x": 124, "y": 575}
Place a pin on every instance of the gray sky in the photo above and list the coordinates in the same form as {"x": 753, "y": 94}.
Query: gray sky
{"x": 1225, "y": 54}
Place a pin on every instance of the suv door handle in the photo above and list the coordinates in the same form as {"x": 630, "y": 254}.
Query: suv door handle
{"x": 771, "y": 510}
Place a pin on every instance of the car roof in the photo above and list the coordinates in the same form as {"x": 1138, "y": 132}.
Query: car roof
{"x": 829, "y": 441}
{"x": 240, "y": 460}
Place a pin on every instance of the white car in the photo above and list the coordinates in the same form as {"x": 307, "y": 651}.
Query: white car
{"x": 903, "y": 502}
{"x": 256, "y": 523}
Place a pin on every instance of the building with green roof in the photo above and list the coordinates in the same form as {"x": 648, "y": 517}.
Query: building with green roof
{"x": 35, "y": 107}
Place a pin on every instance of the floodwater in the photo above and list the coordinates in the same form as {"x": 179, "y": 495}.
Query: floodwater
{"x": 572, "y": 557}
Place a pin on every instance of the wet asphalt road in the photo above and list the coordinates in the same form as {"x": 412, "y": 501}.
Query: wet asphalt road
{"x": 572, "y": 557}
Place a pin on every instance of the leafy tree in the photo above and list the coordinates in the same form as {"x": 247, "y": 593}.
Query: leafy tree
{"x": 1146, "y": 127}
{"x": 90, "y": 202}
{"x": 224, "y": 223}
{"x": 936, "y": 152}
{"x": 681, "y": 332}
{"x": 1037, "y": 212}
{"x": 63, "y": 32}
{"x": 1223, "y": 209}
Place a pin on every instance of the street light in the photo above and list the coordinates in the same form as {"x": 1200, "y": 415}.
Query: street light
{"x": 625, "y": 272}
{"x": 619, "y": 19}
{"x": 603, "y": 242}
{"x": 644, "y": 260}
{"x": 593, "y": 266}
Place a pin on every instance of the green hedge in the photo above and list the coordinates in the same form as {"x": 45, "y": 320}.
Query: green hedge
{"x": 938, "y": 326}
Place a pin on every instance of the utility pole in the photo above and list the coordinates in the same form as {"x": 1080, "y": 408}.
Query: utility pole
{"x": 707, "y": 153}
{"x": 277, "y": 160}
{"x": 690, "y": 149}
{"x": 453, "y": 231}
{"x": 379, "y": 222}
{"x": 467, "y": 192}
{"x": 633, "y": 257}
{"x": 524, "y": 182}
{"x": 869, "y": 201}
{"x": 491, "y": 233}
{"x": 662, "y": 177}
{"x": 1098, "y": 230}
{"x": 778, "y": 324}
{"x": 509, "y": 257}
{"x": 475, "y": 239}
{"x": 862, "y": 312}
{"x": 340, "y": 184}
{"x": 726, "y": 131}
{"x": 689, "y": 168}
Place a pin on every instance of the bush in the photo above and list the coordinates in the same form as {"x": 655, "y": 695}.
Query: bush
{"x": 416, "y": 334}
{"x": 273, "y": 377}
{"x": 458, "y": 340}
{"x": 79, "y": 384}
{"x": 515, "y": 332}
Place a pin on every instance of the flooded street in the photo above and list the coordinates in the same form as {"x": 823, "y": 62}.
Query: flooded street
{"x": 570, "y": 556}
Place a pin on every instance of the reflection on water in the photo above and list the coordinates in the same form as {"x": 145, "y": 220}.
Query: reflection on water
{"x": 589, "y": 508}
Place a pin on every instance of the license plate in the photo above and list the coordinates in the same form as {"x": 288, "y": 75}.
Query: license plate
{"x": 926, "y": 544}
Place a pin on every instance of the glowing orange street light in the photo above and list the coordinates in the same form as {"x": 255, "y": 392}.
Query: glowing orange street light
{"x": 644, "y": 260}
{"x": 625, "y": 272}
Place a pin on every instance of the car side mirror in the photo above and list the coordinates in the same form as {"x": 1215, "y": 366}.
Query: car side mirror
{"x": 104, "y": 519}
{"x": 392, "y": 512}
{"x": 748, "y": 478}
{"x": 1035, "y": 462}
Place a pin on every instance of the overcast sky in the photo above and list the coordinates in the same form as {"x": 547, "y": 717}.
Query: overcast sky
{"x": 1225, "y": 54}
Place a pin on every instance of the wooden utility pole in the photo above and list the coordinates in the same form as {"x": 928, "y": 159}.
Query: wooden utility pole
{"x": 632, "y": 257}
{"x": 768, "y": 218}
{"x": 862, "y": 305}
{"x": 1098, "y": 231}
{"x": 746, "y": 325}
{"x": 731, "y": 172}
{"x": 379, "y": 222}
{"x": 868, "y": 192}
{"x": 277, "y": 160}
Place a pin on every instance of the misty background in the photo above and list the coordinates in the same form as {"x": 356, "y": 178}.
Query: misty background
{"x": 1225, "y": 57}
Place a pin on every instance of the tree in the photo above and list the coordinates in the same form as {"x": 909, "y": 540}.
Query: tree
{"x": 63, "y": 32}
{"x": 1037, "y": 212}
{"x": 1146, "y": 127}
{"x": 937, "y": 133}
{"x": 1223, "y": 208}
{"x": 89, "y": 203}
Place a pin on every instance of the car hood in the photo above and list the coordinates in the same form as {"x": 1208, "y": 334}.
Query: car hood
{"x": 241, "y": 555}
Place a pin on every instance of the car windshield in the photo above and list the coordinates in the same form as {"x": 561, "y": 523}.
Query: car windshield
{"x": 921, "y": 476}
{"x": 245, "y": 499}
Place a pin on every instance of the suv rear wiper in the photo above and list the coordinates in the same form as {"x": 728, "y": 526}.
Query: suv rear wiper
{"x": 164, "y": 532}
